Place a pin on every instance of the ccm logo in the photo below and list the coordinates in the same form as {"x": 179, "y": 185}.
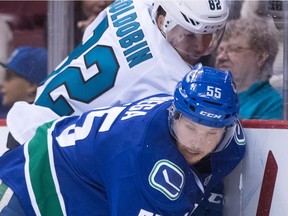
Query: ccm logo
{"x": 213, "y": 26}
{"x": 210, "y": 115}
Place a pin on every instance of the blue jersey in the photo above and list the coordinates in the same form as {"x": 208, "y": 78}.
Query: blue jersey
{"x": 114, "y": 161}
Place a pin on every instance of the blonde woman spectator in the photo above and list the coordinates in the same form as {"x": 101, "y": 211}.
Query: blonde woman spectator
{"x": 248, "y": 50}
{"x": 272, "y": 12}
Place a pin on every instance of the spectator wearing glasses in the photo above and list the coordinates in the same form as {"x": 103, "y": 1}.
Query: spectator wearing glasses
{"x": 248, "y": 49}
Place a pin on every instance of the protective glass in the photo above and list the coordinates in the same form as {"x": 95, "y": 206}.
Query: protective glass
{"x": 276, "y": 10}
{"x": 194, "y": 140}
{"x": 192, "y": 46}
{"x": 231, "y": 49}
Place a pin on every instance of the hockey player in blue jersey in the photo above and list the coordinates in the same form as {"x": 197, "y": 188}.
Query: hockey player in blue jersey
{"x": 160, "y": 155}
{"x": 132, "y": 50}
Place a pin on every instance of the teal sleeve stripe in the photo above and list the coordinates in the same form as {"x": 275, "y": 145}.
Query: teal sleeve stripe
{"x": 3, "y": 189}
{"x": 43, "y": 185}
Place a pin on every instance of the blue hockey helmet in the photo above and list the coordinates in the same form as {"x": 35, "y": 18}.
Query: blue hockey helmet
{"x": 207, "y": 96}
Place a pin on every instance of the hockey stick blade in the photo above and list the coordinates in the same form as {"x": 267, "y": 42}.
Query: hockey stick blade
{"x": 268, "y": 184}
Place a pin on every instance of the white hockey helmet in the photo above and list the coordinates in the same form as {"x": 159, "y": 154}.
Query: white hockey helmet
{"x": 197, "y": 16}
{"x": 193, "y": 27}
{"x": 276, "y": 10}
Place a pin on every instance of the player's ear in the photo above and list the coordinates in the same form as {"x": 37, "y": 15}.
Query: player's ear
{"x": 160, "y": 20}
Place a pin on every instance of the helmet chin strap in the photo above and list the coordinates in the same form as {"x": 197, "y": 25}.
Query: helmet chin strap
{"x": 227, "y": 136}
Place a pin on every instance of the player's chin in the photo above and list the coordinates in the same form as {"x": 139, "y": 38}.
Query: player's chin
{"x": 190, "y": 58}
{"x": 193, "y": 158}
{"x": 193, "y": 161}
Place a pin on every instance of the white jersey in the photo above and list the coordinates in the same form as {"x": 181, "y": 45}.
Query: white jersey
{"x": 123, "y": 57}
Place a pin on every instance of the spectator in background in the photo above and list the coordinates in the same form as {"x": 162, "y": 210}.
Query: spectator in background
{"x": 25, "y": 69}
{"x": 248, "y": 49}
{"x": 6, "y": 40}
{"x": 3, "y": 109}
{"x": 89, "y": 10}
{"x": 273, "y": 12}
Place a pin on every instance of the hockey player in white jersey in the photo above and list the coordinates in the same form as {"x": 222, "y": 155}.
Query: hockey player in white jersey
{"x": 133, "y": 49}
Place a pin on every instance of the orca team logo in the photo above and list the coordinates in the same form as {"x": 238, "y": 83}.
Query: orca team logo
{"x": 239, "y": 135}
{"x": 167, "y": 178}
